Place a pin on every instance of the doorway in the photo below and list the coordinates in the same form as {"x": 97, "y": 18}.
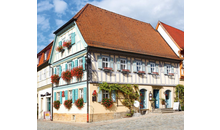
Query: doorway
{"x": 156, "y": 96}
{"x": 143, "y": 98}
{"x": 168, "y": 98}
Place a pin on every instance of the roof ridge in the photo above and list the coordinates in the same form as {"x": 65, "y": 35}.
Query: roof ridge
{"x": 80, "y": 12}
{"x": 171, "y": 26}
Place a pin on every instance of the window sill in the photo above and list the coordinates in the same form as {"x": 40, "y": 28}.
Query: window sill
{"x": 154, "y": 73}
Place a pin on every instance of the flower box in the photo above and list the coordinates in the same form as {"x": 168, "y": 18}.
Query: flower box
{"x": 60, "y": 49}
{"x": 66, "y": 75}
{"x": 141, "y": 72}
{"x": 107, "y": 69}
{"x": 125, "y": 71}
{"x": 77, "y": 72}
{"x": 67, "y": 44}
{"x": 171, "y": 74}
{"x": 107, "y": 102}
{"x": 68, "y": 104}
{"x": 79, "y": 103}
{"x": 94, "y": 93}
{"x": 55, "y": 79}
{"x": 155, "y": 73}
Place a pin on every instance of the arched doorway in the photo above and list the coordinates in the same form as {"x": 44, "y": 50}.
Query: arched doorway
{"x": 143, "y": 98}
{"x": 168, "y": 98}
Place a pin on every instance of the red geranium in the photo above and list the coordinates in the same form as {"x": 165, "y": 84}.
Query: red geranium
{"x": 79, "y": 103}
{"x": 68, "y": 103}
{"x": 77, "y": 72}
{"x": 66, "y": 75}
{"x": 55, "y": 79}
{"x": 56, "y": 104}
{"x": 59, "y": 48}
{"x": 67, "y": 43}
{"x": 107, "y": 102}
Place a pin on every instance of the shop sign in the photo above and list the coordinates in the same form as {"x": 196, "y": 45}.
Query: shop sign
{"x": 136, "y": 103}
{"x": 47, "y": 115}
{"x": 176, "y": 106}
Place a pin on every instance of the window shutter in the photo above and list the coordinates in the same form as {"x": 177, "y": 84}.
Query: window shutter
{"x": 66, "y": 95}
{"x": 172, "y": 69}
{"x": 129, "y": 65}
{"x": 112, "y": 63}
{"x": 60, "y": 97}
{"x": 72, "y": 38}
{"x": 118, "y": 64}
{"x": 60, "y": 70}
{"x": 134, "y": 66}
{"x": 99, "y": 95}
{"x": 72, "y": 64}
{"x": 143, "y": 66}
{"x": 60, "y": 43}
{"x": 148, "y": 67}
{"x": 76, "y": 63}
{"x": 84, "y": 94}
{"x": 113, "y": 96}
{"x": 55, "y": 70}
{"x": 76, "y": 94}
{"x": 65, "y": 66}
{"x": 84, "y": 62}
{"x": 99, "y": 62}
{"x": 73, "y": 97}
{"x": 165, "y": 69}
{"x": 157, "y": 68}
{"x": 55, "y": 96}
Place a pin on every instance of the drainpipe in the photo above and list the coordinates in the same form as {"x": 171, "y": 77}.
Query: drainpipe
{"x": 87, "y": 66}
{"x": 52, "y": 98}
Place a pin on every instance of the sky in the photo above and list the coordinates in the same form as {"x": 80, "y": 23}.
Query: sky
{"x": 52, "y": 14}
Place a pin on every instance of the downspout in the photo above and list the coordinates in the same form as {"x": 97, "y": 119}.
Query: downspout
{"x": 87, "y": 66}
{"x": 52, "y": 96}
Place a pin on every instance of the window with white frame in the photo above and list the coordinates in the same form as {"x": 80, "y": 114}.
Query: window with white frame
{"x": 69, "y": 66}
{"x": 50, "y": 71}
{"x": 123, "y": 64}
{"x": 44, "y": 73}
{"x": 168, "y": 69}
{"x": 105, "y": 62}
{"x": 70, "y": 94}
{"x": 58, "y": 95}
{"x": 80, "y": 93}
{"x": 105, "y": 94}
{"x": 57, "y": 70}
{"x": 45, "y": 56}
{"x": 152, "y": 66}
{"x": 40, "y": 75}
{"x": 139, "y": 66}
{"x": 80, "y": 61}
{"x": 37, "y": 60}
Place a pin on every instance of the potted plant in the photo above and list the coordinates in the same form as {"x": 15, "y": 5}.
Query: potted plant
{"x": 77, "y": 72}
{"x": 60, "y": 49}
{"x": 108, "y": 69}
{"x": 94, "y": 93}
{"x": 162, "y": 101}
{"x": 126, "y": 71}
{"x": 55, "y": 79}
{"x": 67, "y": 44}
{"x": 107, "y": 102}
{"x": 79, "y": 103}
{"x": 56, "y": 104}
{"x": 68, "y": 103}
{"x": 66, "y": 75}
{"x": 141, "y": 72}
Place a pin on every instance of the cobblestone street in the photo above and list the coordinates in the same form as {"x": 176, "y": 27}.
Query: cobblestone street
{"x": 152, "y": 121}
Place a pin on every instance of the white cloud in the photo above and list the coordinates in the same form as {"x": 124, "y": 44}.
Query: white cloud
{"x": 170, "y": 12}
{"x": 44, "y": 5}
{"x": 60, "y": 6}
{"x": 59, "y": 22}
{"x": 43, "y": 23}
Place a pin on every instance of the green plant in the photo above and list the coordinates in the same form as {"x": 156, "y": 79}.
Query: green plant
{"x": 77, "y": 72}
{"x": 55, "y": 79}
{"x": 79, "y": 103}
{"x": 56, "y": 104}
{"x": 66, "y": 75}
{"x": 180, "y": 89}
{"x": 107, "y": 102}
{"x": 128, "y": 114}
{"x": 68, "y": 103}
{"x": 162, "y": 99}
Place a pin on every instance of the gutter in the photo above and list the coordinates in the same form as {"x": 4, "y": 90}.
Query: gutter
{"x": 87, "y": 66}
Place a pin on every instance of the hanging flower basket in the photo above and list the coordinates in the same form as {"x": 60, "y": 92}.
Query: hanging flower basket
{"x": 94, "y": 93}
{"x": 68, "y": 103}
{"x": 67, "y": 44}
{"x": 126, "y": 71}
{"x": 171, "y": 74}
{"x": 77, "y": 72}
{"x": 56, "y": 104}
{"x": 155, "y": 73}
{"x": 79, "y": 103}
{"x": 141, "y": 72}
{"x": 60, "y": 49}
{"x": 107, "y": 69}
{"x": 66, "y": 75}
{"x": 107, "y": 102}
{"x": 55, "y": 79}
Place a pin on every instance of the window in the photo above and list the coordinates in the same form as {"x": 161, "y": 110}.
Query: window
{"x": 123, "y": 64}
{"x": 70, "y": 94}
{"x": 168, "y": 69}
{"x": 105, "y": 62}
{"x": 37, "y": 60}
{"x": 69, "y": 66}
{"x": 50, "y": 71}
{"x": 105, "y": 94}
{"x": 139, "y": 66}
{"x": 80, "y": 93}
{"x": 45, "y": 56}
{"x": 40, "y": 75}
{"x": 57, "y": 70}
{"x": 152, "y": 66}
{"x": 80, "y": 62}
{"x": 58, "y": 95}
{"x": 44, "y": 73}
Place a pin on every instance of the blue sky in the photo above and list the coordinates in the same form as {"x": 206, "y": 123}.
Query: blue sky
{"x": 52, "y": 14}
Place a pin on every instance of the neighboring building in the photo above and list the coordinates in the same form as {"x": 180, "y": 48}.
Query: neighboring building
{"x": 44, "y": 85}
{"x": 175, "y": 38}
{"x": 100, "y": 39}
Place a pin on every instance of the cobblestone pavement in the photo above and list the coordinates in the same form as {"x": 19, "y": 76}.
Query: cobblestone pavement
{"x": 152, "y": 121}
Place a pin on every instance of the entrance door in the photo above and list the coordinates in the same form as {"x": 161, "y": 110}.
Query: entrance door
{"x": 168, "y": 98}
{"x": 143, "y": 97}
{"x": 156, "y": 96}
{"x": 41, "y": 108}
{"x": 48, "y": 104}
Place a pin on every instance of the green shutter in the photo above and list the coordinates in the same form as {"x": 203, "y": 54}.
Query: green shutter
{"x": 129, "y": 65}
{"x": 172, "y": 69}
{"x": 165, "y": 69}
{"x": 60, "y": 97}
{"x": 73, "y": 97}
{"x": 143, "y": 66}
{"x": 65, "y": 67}
{"x": 134, "y": 66}
{"x": 55, "y": 70}
{"x": 118, "y": 63}
{"x": 76, "y": 63}
{"x": 72, "y": 64}
{"x": 113, "y": 95}
{"x": 84, "y": 62}
{"x": 84, "y": 94}
{"x": 99, "y": 95}
{"x": 60, "y": 70}
{"x": 72, "y": 38}
{"x": 112, "y": 63}
{"x": 76, "y": 94}
{"x": 66, "y": 94}
{"x": 60, "y": 43}
{"x": 148, "y": 67}
{"x": 54, "y": 96}
{"x": 99, "y": 62}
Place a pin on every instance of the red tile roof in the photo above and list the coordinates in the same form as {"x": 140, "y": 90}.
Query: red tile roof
{"x": 42, "y": 52}
{"x": 176, "y": 34}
